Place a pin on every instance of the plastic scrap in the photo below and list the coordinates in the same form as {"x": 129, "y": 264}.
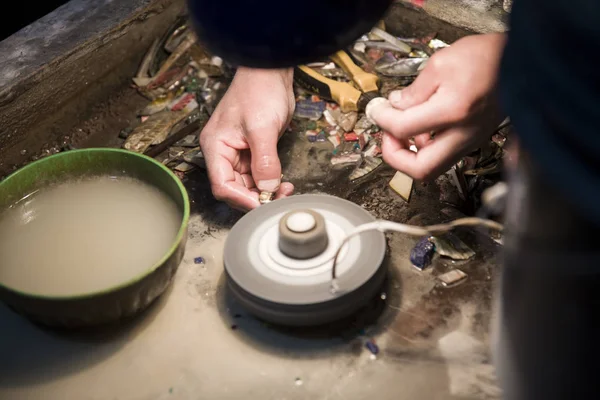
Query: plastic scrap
{"x": 437, "y": 44}
{"x": 321, "y": 136}
{"x": 366, "y": 166}
{"x": 335, "y": 140}
{"x": 345, "y": 158}
{"x": 452, "y": 278}
{"x": 198, "y": 260}
{"x": 350, "y": 137}
{"x": 332, "y": 116}
{"x": 347, "y": 121}
{"x": 403, "y": 67}
{"x": 184, "y": 167}
{"x": 449, "y": 245}
{"x": 372, "y": 151}
{"x": 373, "y": 348}
{"x": 153, "y": 131}
{"x": 309, "y": 109}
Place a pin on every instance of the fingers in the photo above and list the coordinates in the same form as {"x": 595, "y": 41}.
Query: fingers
{"x": 237, "y": 192}
{"x": 430, "y": 161}
{"x": 423, "y": 140}
{"x": 265, "y": 164}
{"x": 437, "y": 113}
{"x": 237, "y": 196}
{"x": 418, "y": 92}
{"x": 285, "y": 190}
{"x": 226, "y": 184}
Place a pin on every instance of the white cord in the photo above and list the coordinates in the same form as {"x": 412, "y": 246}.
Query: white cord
{"x": 412, "y": 230}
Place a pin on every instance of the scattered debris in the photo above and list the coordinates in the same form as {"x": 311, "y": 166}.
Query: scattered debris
{"x": 335, "y": 140}
{"x": 189, "y": 141}
{"x": 309, "y": 109}
{"x": 347, "y": 121}
{"x": 345, "y": 159}
{"x": 183, "y": 83}
{"x": 373, "y": 348}
{"x": 457, "y": 175}
{"x": 402, "y": 184}
{"x": 195, "y": 157}
{"x": 407, "y": 67}
{"x": 449, "y": 245}
{"x": 422, "y": 254}
{"x": 372, "y": 151}
{"x": 452, "y": 278}
{"x": 184, "y": 167}
{"x": 367, "y": 165}
{"x": 198, "y": 260}
{"x": 265, "y": 197}
{"x": 153, "y": 131}
{"x": 401, "y": 46}
{"x": 332, "y": 116}
{"x": 437, "y": 44}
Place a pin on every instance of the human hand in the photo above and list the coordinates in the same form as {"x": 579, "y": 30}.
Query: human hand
{"x": 454, "y": 97}
{"x": 239, "y": 141}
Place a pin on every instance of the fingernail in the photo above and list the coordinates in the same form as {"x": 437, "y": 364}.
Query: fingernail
{"x": 268, "y": 185}
{"x": 395, "y": 97}
{"x": 374, "y": 105}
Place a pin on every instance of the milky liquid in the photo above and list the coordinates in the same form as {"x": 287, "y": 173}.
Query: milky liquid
{"x": 84, "y": 236}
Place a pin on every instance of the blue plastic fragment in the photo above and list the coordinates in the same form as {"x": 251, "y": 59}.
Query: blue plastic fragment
{"x": 422, "y": 253}
{"x": 373, "y": 348}
{"x": 309, "y": 109}
{"x": 198, "y": 260}
{"x": 321, "y": 137}
{"x": 312, "y": 138}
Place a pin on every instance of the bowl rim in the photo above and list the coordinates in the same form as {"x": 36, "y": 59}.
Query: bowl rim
{"x": 174, "y": 245}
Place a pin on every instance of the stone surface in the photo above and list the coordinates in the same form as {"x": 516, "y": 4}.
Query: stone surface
{"x": 53, "y": 72}
{"x": 480, "y": 16}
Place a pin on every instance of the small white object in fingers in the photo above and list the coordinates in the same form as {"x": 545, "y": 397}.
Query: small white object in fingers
{"x": 373, "y": 104}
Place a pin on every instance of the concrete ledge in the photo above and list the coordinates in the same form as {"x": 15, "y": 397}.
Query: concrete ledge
{"x": 53, "y": 71}
{"x": 477, "y": 16}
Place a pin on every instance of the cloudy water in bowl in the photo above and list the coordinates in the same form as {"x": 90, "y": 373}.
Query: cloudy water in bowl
{"x": 85, "y": 236}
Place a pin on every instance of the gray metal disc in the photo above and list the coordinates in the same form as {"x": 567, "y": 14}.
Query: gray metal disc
{"x": 279, "y": 293}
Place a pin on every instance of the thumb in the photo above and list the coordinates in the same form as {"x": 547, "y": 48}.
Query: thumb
{"x": 265, "y": 164}
{"x": 418, "y": 92}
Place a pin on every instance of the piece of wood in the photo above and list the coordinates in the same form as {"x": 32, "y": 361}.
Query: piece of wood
{"x": 402, "y": 184}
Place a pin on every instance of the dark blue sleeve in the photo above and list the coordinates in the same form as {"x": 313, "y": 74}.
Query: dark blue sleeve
{"x": 550, "y": 87}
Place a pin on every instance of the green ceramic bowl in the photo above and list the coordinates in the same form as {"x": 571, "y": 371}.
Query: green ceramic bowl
{"x": 128, "y": 298}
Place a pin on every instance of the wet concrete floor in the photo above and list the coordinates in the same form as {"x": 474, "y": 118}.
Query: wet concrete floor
{"x": 195, "y": 342}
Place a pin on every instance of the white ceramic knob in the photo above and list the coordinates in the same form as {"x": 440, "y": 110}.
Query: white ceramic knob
{"x": 302, "y": 234}
{"x": 300, "y": 222}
